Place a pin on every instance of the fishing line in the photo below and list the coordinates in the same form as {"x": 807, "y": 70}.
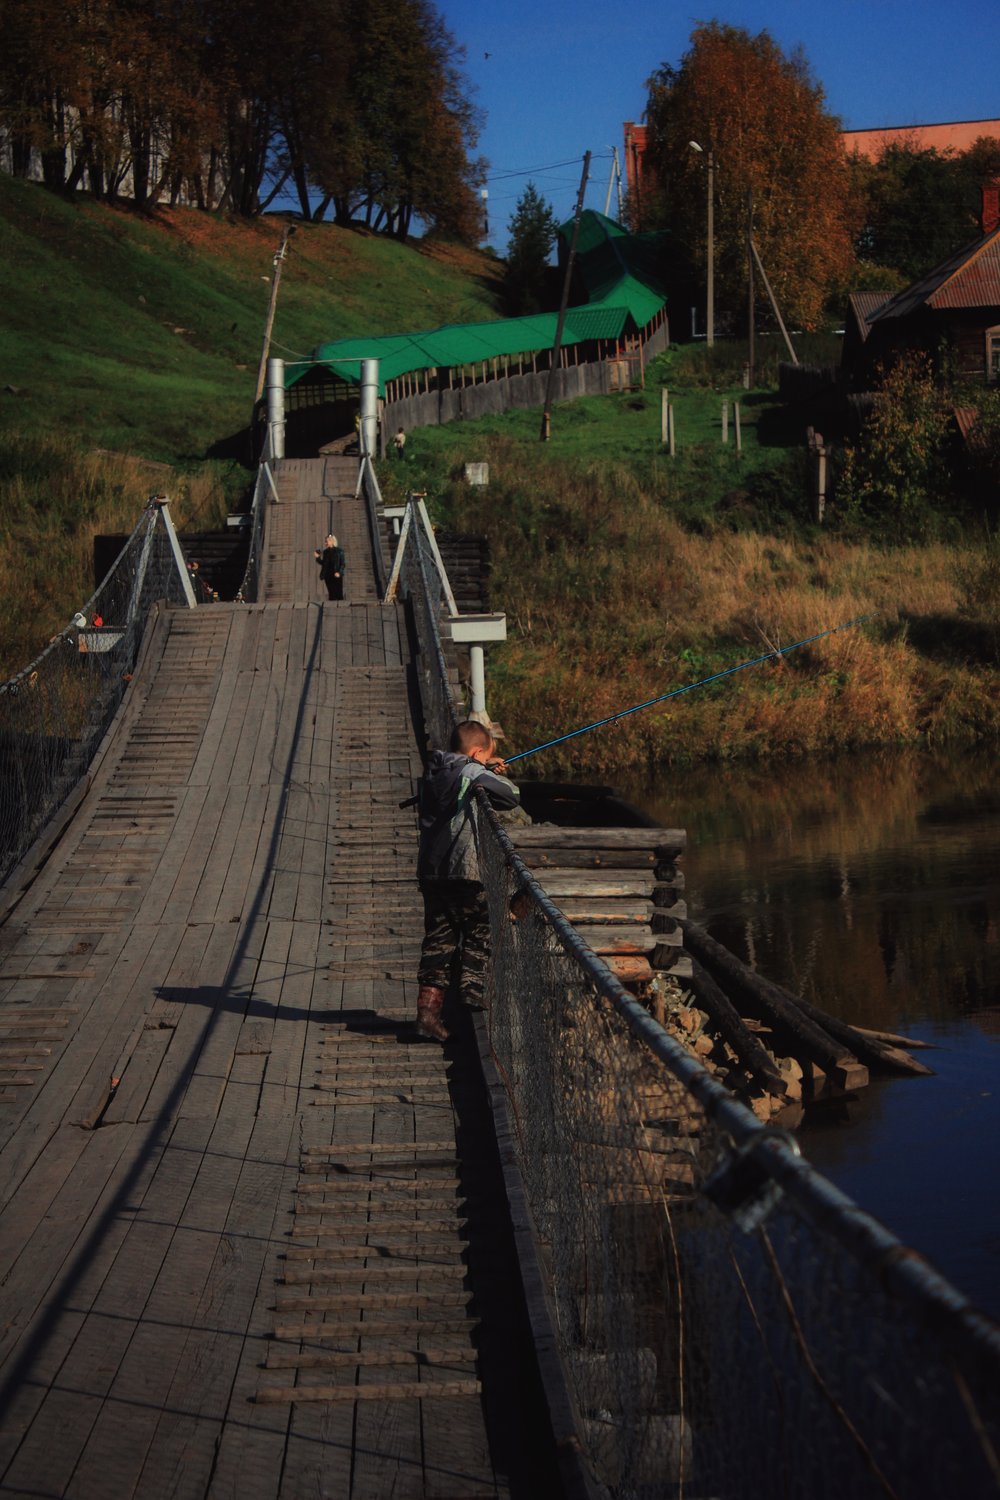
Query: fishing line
{"x": 689, "y": 687}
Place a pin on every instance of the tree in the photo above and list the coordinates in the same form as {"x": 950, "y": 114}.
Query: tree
{"x": 532, "y": 234}
{"x": 919, "y": 205}
{"x": 400, "y": 144}
{"x": 763, "y": 116}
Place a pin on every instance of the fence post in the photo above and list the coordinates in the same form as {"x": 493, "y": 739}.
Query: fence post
{"x": 725, "y": 421}
{"x": 737, "y": 427}
{"x": 671, "y": 434}
{"x": 664, "y": 418}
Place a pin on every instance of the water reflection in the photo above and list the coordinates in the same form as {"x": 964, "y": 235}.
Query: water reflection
{"x": 873, "y": 888}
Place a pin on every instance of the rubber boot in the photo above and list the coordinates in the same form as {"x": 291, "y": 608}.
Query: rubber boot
{"x": 430, "y": 1003}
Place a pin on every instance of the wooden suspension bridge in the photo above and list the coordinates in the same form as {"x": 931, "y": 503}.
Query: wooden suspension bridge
{"x": 254, "y": 1242}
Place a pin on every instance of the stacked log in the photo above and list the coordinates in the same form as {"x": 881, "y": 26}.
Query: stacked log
{"x": 619, "y": 887}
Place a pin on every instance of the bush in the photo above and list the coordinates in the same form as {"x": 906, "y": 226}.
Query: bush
{"x": 896, "y": 475}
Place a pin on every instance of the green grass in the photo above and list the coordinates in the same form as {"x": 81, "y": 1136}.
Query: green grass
{"x": 624, "y": 573}
{"x": 143, "y": 332}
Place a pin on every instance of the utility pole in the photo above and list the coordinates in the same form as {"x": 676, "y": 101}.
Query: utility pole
{"x": 750, "y": 317}
{"x": 279, "y": 261}
{"x": 615, "y": 179}
{"x": 710, "y": 230}
{"x": 557, "y": 345}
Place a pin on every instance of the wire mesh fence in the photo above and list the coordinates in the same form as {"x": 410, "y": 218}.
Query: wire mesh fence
{"x": 423, "y": 586}
{"x": 54, "y": 713}
{"x": 729, "y": 1323}
{"x": 249, "y": 591}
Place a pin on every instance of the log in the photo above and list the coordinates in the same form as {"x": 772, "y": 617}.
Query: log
{"x": 771, "y": 1004}
{"x": 588, "y": 859}
{"x": 868, "y": 1047}
{"x": 893, "y": 1039}
{"x": 629, "y": 938}
{"x": 733, "y": 1029}
{"x": 543, "y": 836}
{"x": 593, "y": 883}
{"x": 579, "y": 910}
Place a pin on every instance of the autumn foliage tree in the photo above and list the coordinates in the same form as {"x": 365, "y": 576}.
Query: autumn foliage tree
{"x": 918, "y": 204}
{"x": 227, "y": 103}
{"x": 763, "y": 115}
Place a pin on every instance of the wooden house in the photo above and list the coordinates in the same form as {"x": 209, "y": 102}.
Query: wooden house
{"x": 952, "y": 314}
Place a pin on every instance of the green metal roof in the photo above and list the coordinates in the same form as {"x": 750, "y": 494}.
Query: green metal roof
{"x": 616, "y": 269}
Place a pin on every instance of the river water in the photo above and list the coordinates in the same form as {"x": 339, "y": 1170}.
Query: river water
{"x": 872, "y": 887}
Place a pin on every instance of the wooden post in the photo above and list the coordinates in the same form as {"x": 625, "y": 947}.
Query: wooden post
{"x": 670, "y": 427}
{"x": 664, "y": 419}
{"x": 737, "y": 427}
{"x": 725, "y": 421}
{"x": 821, "y": 452}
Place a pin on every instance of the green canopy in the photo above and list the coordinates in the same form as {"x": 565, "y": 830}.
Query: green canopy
{"x": 616, "y": 269}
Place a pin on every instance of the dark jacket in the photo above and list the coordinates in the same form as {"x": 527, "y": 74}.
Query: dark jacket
{"x": 331, "y": 562}
{"x": 448, "y": 831}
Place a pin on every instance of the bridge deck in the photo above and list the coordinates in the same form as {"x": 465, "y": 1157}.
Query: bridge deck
{"x": 242, "y": 1253}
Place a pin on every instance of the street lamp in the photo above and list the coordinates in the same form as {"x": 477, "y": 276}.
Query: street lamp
{"x": 710, "y": 287}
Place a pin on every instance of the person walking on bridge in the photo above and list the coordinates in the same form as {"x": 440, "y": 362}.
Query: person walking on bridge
{"x": 456, "y": 917}
{"x": 332, "y": 563}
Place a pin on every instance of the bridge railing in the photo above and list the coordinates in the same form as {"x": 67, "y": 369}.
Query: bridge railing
{"x": 730, "y": 1323}
{"x": 55, "y": 711}
{"x": 264, "y": 491}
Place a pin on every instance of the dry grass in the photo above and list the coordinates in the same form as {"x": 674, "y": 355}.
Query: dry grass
{"x": 54, "y": 500}
{"x": 611, "y": 602}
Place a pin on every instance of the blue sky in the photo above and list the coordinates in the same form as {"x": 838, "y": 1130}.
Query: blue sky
{"x": 562, "y": 77}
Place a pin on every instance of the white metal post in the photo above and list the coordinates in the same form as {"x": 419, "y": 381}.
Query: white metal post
{"x": 368, "y": 431}
{"x": 179, "y": 558}
{"x": 276, "y": 407}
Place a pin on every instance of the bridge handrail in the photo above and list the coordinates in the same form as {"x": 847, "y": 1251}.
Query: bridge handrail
{"x": 251, "y": 583}
{"x": 700, "y": 1266}
{"x": 53, "y": 713}
{"x": 368, "y": 486}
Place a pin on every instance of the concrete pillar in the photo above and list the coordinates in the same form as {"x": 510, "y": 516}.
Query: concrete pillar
{"x": 276, "y": 407}
{"x": 369, "y": 408}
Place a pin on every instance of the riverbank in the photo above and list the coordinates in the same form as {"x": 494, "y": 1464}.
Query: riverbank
{"x": 870, "y": 887}
{"x": 617, "y": 591}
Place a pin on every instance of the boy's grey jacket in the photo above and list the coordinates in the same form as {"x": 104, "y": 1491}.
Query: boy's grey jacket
{"x": 448, "y": 833}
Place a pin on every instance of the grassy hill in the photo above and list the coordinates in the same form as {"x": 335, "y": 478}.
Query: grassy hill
{"x": 141, "y": 334}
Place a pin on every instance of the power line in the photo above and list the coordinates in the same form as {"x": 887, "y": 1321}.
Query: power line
{"x": 552, "y": 166}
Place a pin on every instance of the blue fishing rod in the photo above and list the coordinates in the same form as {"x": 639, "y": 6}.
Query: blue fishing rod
{"x": 508, "y": 760}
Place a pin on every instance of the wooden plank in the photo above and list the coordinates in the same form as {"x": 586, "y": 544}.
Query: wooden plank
{"x": 401, "y": 1390}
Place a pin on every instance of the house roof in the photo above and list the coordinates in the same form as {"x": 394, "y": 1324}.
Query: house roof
{"x": 968, "y": 278}
{"x": 864, "y": 306}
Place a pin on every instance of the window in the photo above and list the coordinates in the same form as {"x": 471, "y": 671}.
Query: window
{"x": 993, "y": 356}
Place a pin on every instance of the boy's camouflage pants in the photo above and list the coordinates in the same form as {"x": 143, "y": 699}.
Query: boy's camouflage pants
{"x": 456, "y": 924}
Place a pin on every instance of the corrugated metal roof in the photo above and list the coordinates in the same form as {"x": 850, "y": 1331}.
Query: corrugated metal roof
{"x": 864, "y": 306}
{"x": 977, "y": 283}
{"x": 968, "y": 278}
{"x": 618, "y": 270}
{"x": 966, "y": 418}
